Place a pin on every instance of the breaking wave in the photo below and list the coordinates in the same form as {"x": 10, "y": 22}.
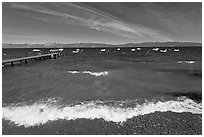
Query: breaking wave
{"x": 41, "y": 112}
{"x": 97, "y": 74}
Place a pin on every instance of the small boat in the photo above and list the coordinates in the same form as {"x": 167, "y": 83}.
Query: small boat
{"x": 76, "y": 51}
{"x": 132, "y": 49}
{"x": 163, "y": 50}
{"x": 56, "y": 50}
{"x": 36, "y": 50}
{"x": 155, "y": 49}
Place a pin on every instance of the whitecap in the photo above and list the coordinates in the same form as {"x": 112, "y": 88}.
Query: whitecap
{"x": 74, "y": 72}
{"x": 40, "y": 113}
{"x": 96, "y": 74}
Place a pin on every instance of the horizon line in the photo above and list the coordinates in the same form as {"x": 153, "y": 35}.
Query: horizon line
{"x": 109, "y": 43}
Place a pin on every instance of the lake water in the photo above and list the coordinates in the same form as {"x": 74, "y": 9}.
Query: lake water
{"x": 104, "y": 91}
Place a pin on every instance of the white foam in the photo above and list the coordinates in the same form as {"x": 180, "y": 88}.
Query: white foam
{"x": 132, "y": 49}
{"x": 155, "y": 49}
{"x": 74, "y": 72}
{"x": 187, "y": 62}
{"x": 40, "y": 113}
{"x": 97, "y": 74}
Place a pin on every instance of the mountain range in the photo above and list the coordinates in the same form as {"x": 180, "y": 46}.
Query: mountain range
{"x": 95, "y": 45}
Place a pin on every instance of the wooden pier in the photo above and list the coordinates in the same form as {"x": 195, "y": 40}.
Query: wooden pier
{"x": 25, "y": 59}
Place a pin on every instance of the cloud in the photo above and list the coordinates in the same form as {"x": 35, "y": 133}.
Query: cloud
{"x": 77, "y": 15}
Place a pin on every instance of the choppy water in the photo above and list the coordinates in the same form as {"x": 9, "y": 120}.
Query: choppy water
{"x": 103, "y": 85}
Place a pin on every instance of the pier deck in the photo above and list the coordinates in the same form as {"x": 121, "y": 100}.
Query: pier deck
{"x": 25, "y": 59}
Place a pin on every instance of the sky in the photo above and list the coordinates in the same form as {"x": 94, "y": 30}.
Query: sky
{"x": 97, "y": 22}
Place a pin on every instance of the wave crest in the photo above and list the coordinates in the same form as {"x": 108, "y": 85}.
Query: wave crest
{"x": 41, "y": 112}
{"x": 96, "y": 74}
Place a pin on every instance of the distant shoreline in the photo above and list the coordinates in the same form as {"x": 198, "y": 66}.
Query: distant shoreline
{"x": 96, "y": 47}
{"x": 101, "y": 45}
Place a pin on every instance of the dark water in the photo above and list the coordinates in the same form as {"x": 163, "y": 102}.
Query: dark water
{"x": 110, "y": 92}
